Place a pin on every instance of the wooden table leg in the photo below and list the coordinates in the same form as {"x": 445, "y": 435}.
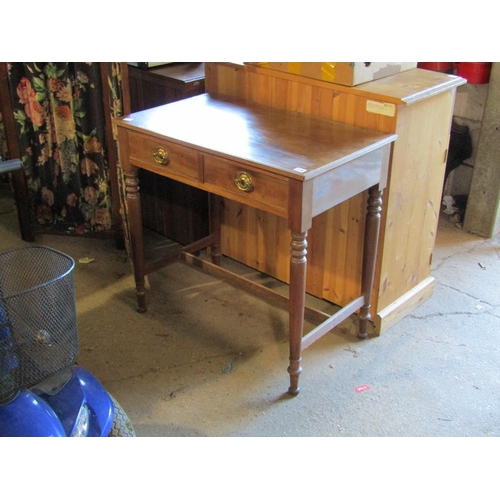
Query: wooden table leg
{"x": 215, "y": 225}
{"x": 372, "y": 229}
{"x": 298, "y": 266}
{"x": 136, "y": 236}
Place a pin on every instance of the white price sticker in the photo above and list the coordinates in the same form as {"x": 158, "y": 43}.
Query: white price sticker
{"x": 381, "y": 108}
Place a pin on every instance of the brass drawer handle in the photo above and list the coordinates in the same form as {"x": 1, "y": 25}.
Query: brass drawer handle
{"x": 244, "y": 182}
{"x": 161, "y": 156}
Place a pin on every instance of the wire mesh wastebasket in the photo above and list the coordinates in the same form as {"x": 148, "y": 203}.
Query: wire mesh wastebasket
{"x": 38, "y": 326}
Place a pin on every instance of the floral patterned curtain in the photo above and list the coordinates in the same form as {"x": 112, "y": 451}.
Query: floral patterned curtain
{"x": 62, "y": 127}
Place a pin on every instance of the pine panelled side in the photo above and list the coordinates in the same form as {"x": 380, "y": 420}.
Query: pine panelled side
{"x": 422, "y": 104}
{"x": 414, "y": 198}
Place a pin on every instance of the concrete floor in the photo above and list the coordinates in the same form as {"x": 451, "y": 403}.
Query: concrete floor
{"x": 208, "y": 359}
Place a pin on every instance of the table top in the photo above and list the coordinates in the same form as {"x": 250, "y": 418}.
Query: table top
{"x": 295, "y": 144}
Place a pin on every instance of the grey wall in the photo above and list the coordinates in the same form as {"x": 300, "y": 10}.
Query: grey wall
{"x": 482, "y": 215}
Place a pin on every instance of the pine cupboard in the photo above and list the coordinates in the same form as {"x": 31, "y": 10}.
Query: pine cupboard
{"x": 417, "y": 105}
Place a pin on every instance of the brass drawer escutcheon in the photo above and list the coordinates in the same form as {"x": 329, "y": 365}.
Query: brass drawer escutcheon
{"x": 161, "y": 156}
{"x": 244, "y": 182}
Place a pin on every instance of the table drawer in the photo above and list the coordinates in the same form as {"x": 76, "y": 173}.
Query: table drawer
{"x": 162, "y": 156}
{"x": 253, "y": 187}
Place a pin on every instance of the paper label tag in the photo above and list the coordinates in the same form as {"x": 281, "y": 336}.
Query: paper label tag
{"x": 381, "y": 108}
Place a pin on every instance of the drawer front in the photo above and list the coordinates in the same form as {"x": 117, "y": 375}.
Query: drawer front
{"x": 252, "y": 187}
{"x": 163, "y": 156}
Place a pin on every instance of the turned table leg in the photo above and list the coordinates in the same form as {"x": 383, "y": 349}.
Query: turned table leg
{"x": 136, "y": 237}
{"x": 298, "y": 265}
{"x": 215, "y": 225}
{"x": 372, "y": 229}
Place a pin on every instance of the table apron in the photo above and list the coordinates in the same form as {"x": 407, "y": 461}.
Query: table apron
{"x": 339, "y": 184}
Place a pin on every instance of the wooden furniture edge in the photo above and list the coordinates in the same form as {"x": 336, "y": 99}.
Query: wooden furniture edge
{"x": 401, "y": 307}
{"x": 363, "y": 89}
{"x": 168, "y": 73}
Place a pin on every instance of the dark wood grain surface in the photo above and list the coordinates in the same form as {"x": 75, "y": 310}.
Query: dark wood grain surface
{"x": 260, "y": 135}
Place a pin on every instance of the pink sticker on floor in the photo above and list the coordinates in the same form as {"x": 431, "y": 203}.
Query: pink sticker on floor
{"x": 362, "y": 388}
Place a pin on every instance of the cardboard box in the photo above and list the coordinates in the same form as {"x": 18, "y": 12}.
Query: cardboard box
{"x": 343, "y": 73}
